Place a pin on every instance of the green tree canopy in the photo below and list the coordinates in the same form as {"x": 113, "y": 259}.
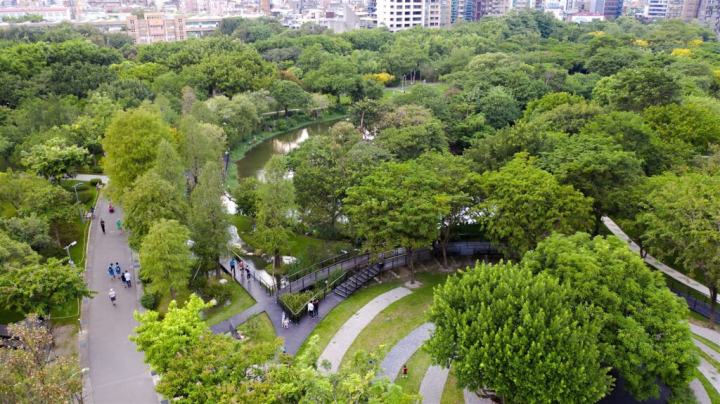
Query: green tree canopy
{"x": 131, "y": 142}
{"x": 55, "y": 158}
{"x": 524, "y": 204}
{"x": 276, "y": 200}
{"x": 289, "y": 95}
{"x": 166, "y": 258}
{"x": 695, "y": 125}
{"x": 635, "y": 89}
{"x": 682, "y": 223}
{"x": 397, "y": 205}
{"x": 517, "y": 337}
{"x": 643, "y": 334}
{"x": 208, "y": 218}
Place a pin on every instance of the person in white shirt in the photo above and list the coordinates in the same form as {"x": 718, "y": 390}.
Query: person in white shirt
{"x": 112, "y": 296}
{"x": 311, "y": 309}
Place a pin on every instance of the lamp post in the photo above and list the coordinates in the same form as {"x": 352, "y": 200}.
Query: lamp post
{"x": 68, "y": 252}
{"x": 78, "y": 201}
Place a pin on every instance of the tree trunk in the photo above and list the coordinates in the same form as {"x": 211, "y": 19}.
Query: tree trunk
{"x": 218, "y": 272}
{"x": 172, "y": 293}
{"x": 286, "y": 111}
{"x": 443, "y": 244}
{"x": 276, "y": 264}
{"x": 412, "y": 266}
{"x": 713, "y": 303}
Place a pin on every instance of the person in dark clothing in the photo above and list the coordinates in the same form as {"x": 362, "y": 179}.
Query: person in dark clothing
{"x": 102, "y": 225}
{"x": 316, "y": 305}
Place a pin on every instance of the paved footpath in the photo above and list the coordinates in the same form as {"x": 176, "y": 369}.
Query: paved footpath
{"x": 341, "y": 341}
{"x": 117, "y": 372}
{"x": 401, "y": 353}
{"x": 433, "y": 384}
{"x": 682, "y": 278}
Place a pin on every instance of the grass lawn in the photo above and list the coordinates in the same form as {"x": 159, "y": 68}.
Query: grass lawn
{"x": 239, "y": 301}
{"x": 715, "y": 347}
{"x": 452, "y": 394}
{"x": 399, "y": 319}
{"x": 417, "y": 367}
{"x": 714, "y": 395}
{"x": 181, "y": 296}
{"x": 259, "y": 329}
{"x": 298, "y": 243}
{"x": 331, "y": 323}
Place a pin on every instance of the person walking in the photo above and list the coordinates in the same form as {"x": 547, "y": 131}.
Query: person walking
{"x": 119, "y": 225}
{"x": 316, "y": 305}
{"x": 112, "y": 295}
{"x": 112, "y": 272}
{"x": 311, "y": 309}
{"x": 122, "y": 278}
{"x": 128, "y": 279}
{"x": 118, "y": 271}
{"x": 102, "y": 225}
{"x": 404, "y": 371}
{"x": 232, "y": 267}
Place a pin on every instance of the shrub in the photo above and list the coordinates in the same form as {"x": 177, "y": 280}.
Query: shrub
{"x": 296, "y": 302}
{"x": 216, "y": 291}
{"x": 95, "y": 181}
{"x": 97, "y": 170}
{"x": 148, "y": 301}
{"x": 198, "y": 284}
{"x": 86, "y": 196}
{"x": 83, "y": 187}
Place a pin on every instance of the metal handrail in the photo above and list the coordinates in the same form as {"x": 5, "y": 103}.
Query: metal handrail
{"x": 298, "y": 274}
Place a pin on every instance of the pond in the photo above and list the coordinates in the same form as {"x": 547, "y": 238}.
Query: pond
{"x": 253, "y": 164}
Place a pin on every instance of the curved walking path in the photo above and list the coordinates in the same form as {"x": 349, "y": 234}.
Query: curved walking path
{"x": 433, "y": 384}
{"x": 117, "y": 372}
{"x": 343, "y": 339}
{"x": 680, "y": 277}
{"x": 403, "y": 350}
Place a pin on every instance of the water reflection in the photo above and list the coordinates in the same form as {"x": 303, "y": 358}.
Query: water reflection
{"x": 253, "y": 164}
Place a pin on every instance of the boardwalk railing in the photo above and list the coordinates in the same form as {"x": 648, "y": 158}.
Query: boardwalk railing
{"x": 252, "y": 274}
{"x": 319, "y": 265}
{"x": 394, "y": 259}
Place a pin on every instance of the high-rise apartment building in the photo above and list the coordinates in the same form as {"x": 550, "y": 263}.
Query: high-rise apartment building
{"x": 401, "y": 14}
{"x": 709, "y": 14}
{"x": 156, "y": 27}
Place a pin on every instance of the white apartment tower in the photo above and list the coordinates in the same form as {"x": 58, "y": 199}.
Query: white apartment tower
{"x": 398, "y": 15}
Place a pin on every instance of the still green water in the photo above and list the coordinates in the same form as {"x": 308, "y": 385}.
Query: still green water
{"x": 253, "y": 164}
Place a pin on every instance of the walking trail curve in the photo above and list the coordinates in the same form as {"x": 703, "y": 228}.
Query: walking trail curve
{"x": 117, "y": 372}
{"x": 680, "y": 277}
{"x": 340, "y": 343}
{"x": 433, "y": 384}
{"x": 403, "y": 350}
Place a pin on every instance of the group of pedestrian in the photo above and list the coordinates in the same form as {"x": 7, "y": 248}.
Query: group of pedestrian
{"x": 102, "y": 225}
{"x": 241, "y": 265}
{"x": 313, "y": 308}
{"x": 115, "y": 271}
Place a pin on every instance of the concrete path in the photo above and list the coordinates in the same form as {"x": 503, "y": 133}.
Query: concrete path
{"x": 710, "y": 373}
{"x": 403, "y": 350}
{"x": 707, "y": 350}
{"x": 706, "y": 333}
{"x": 698, "y": 389}
{"x": 117, "y": 372}
{"x": 88, "y": 177}
{"x": 680, "y": 277}
{"x": 433, "y": 384}
{"x": 340, "y": 343}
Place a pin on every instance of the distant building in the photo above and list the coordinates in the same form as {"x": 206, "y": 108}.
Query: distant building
{"x": 52, "y": 14}
{"x": 156, "y": 27}
{"x": 398, "y": 15}
{"x": 583, "y": 17}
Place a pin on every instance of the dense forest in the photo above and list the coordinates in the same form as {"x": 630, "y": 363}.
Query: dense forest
{"x": 524, "y": 129}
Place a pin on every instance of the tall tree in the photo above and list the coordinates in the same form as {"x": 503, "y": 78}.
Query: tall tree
{"x": 460, "y": 185}
{"x": 166, "y": 257}
{"x": 54, "y": 159}
{"x": 36, "y": 288}
{"x": 208, "y": 218}
{"x": 398, "y": 204}
{"x": 682, "y": 223}
{"x": 598, "y": 167}
{"x": 30, "y": 375}
{"x": 524, "y": 204}
{"x": 150, "y": 200}
{"x": 635, "y": 89}
{"x": 289, "y": 95}
{"x": 528, "y": 347}
{"x": 336, "y": 76}
{"x": 169, "y": 167}
{"x": 131, "y": 142}
{"x": 200, "y": 143}
{"x": 643, "y": 333}
{"x": 276, "y": 201}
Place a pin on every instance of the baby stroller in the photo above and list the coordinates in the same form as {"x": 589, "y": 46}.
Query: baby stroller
{"x": 111, "y": 209}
